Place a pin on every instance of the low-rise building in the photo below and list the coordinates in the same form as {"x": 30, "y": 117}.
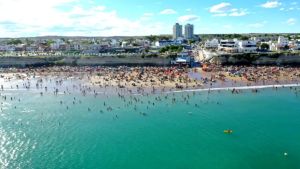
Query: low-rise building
{"x": 124, "y": 44}
{"x": 73, "y": 47}
{"x": 20, "y": 47}
{"x": 211, "y": 44}
{"x": 247, "y": 47}
{"x": 257, "y": 39}
{"x": 230, "y": 46}
{"x": 273, "y": 46}
{"x": 4, "y": 48}
{"x": 296, "y": 45}
{"x": 56, "y": 44}
{"x": 282, "y": 43}
{"x": 163, "y": 43}
{"x": 183, "y": 58}
{"x": 32, "y": 48}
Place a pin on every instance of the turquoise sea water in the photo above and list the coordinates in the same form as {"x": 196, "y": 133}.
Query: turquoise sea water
{"x": 185, "y": 133}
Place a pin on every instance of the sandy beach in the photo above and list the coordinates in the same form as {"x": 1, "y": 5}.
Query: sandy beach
{"x": 151, "y": 78}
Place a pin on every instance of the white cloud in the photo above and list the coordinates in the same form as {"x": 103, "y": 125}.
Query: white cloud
{"x": 33, "y": 12}
{"x": 147, "y": 16}
{"x": 100, "y": 8}
{"x": 187, "y": 18}
{"x": 291, "y": 21}
{"x": 220, "y": 8}
{"x": 234, "y": 10}
{"x": 46, "y": 17}
{"x": 271, "y": 4}
{"x": 225, "y": 9}
{"x": 294, "y": 3}
{"x": 168, "y": 12}
{"x": 238, "y": 13}
{"x": 290, "y": 7}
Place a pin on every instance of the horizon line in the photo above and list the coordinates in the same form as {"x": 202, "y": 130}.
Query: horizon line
{"x": 74, "y": 36}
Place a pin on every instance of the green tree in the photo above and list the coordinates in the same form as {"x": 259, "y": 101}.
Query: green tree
{"x": 191, "y": 41}
{"x": 164, "y": 37}
{"x": 28, "y": 41}
{"x": 49, "y": 42}
{"x": 172, "y": 48}
{"x": 265, "y": 46}
{"x": 244, "y": 38}
{"x": 14, "y": 42}
{"x": 152, "y": 38}
{"x": 286, "y": 47}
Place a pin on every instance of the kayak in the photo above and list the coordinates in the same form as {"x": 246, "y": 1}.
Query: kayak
{"x": 228, "y": 131}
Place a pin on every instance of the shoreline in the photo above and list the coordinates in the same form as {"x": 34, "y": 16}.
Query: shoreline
{"x": 237, "y": 88}
{"x": 160, "y": 91}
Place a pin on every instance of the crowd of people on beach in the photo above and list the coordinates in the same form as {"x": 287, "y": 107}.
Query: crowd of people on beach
{"x": 144, "y": 77}
{"x": 255, "y": 75}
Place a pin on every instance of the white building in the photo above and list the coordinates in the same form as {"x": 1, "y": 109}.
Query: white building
{"x": 73, "y": 47}
{"x": 124, "y": 44}
{"x": 177, "y": 31}
{"x": 147, "y": 43}
{"x": 164, "y": 43}
{"x": 57, "y": 43}
{"x": 94, "y": 47}
{"x": 296, "y": 45}
{"x": 4, "y": 47}
{"x": 114, "y": 43}
{"x": 183, "y": 58}
{"x": 189, "y": 31}
{"x": 9, "y": 48}
{"x": 282, "y": 42}
{"x": 256, "y": 39}
{"x": 211, "y": 44}
{"x": 230, "y": 46}
{"x": 273, "y": 46}
{"x": 247, "y": 46}
{"x": 31, "y": 48}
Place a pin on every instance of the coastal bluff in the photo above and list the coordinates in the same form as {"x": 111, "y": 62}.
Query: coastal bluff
{"x": 115, "y": 61}
{"x": 256, "y": 59}
{"x": 24, "y": 61}
{"x": 81, "y": 61}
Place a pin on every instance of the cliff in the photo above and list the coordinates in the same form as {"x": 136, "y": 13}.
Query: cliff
{"x": 256, "y": 59}
{"x": 82, "y": 61}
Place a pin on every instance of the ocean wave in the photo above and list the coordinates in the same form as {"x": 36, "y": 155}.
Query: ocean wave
{"x": 236, "y": 88}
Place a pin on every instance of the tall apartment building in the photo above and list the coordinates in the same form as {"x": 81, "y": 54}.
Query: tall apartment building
{"x": 177, "y": 31}
{"x": 189, "y": 31}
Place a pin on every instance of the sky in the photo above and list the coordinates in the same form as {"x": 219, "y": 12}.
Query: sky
{"x": 26, "y": 18}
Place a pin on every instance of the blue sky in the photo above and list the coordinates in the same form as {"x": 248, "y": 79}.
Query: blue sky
{"x": 144, "y": 17}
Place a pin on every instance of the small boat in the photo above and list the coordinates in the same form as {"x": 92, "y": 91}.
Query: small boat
{"x": 228, "y": 131}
